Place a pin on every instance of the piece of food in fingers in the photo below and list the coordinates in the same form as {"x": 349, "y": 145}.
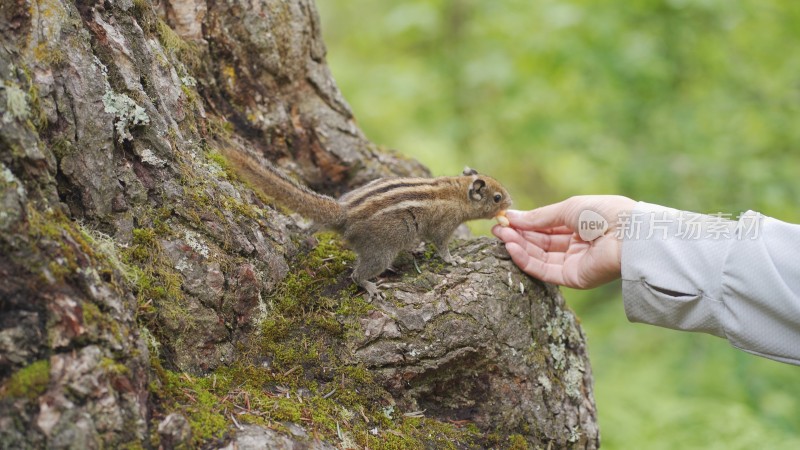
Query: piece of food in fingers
{"x": 501, "y": 218}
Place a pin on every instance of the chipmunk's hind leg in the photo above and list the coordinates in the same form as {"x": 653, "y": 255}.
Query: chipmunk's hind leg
{"x": 370, "y": 263}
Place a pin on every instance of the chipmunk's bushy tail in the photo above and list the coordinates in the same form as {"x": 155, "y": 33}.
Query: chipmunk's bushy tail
{"x": 322, "y": 209}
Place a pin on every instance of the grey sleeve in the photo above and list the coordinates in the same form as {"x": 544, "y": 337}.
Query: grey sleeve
{"x": 738, "y": 280}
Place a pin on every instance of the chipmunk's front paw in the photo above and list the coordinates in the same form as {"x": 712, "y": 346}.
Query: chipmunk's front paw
{"x": 453, "y": 260}
{"x": 449, "y": 259}
{"x": 373, "y": 292}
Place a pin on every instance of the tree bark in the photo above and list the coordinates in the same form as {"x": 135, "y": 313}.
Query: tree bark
{"x": 150, "y": 298}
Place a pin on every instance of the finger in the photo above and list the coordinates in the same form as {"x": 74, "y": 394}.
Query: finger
{"x": 550, "y": 216}
{"x": 548, "y": 272}
{"x": 557, "y": 230}
{"x": 509, "y": 235}
{"x": 534, "y": 252}
{"x": 552, "y": 230}
{"x": 548, "y": 242}
{"x": 504, "y": 233}
{"x": 547, "y": 248}
{"x": 556, "y": 258}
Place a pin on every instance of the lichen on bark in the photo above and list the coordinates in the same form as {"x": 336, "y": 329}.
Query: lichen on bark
{"x": 150, "y": 297}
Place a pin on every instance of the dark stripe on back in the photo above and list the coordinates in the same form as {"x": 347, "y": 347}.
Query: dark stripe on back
{"x": 393, "y": 200}
{"x": 369, "y": 192}
{"x": 380, "y": 190}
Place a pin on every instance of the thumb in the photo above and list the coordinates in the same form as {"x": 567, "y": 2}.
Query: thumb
{"x": 551, "y": 216}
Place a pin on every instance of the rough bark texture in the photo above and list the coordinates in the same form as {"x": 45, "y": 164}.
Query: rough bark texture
{"x": 149, "y": 298}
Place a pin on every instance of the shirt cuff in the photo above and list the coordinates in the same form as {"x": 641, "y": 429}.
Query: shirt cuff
{"x": 672, "y": 265}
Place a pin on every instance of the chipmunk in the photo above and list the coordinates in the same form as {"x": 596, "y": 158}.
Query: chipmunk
{"x": 385, "y": 216}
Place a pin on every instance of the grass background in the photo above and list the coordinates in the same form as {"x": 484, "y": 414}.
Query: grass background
{"x": 693, "y": 104}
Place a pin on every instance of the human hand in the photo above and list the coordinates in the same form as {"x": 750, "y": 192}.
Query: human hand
{"x": 544, "y": 242}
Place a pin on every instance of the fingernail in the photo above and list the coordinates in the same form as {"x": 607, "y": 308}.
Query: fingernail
{"x": 514, "y": 213}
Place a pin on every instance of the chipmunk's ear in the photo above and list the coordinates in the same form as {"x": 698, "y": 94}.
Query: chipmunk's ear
{"x": 469, "y": 171}
{"x": 477, "y": 190}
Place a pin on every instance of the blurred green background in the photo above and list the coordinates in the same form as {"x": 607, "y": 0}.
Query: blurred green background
{"x": 693, "y": 104}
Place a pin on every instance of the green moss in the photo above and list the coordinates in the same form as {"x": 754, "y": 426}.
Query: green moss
{"x": 222, "y": 162}
{"x": 431, "y": 261}
{"x": 107, "y": 247}
{"x": 200, "y": 195}
{"x": 157, "y": 279}
{"x": 173, "y": 44}
{"x": 114, "y": 367}
{"x": 517, "y": 442}
{"x": 134, "y": 445}
{"x": 241, "y": 208}
{"x": 169, "y": 38}
{"x": 298, "y": 370}
{"x": 219, "y": 127}
{"x": 38, "y": 117}
{"x": 98, "y": 321}
{"x": 144, "y": 245}
{"x": 49, "y": 54}
{"x": 71, "y": 250}
{"x": 62, "y": 147}
{"x": 198, "y": 402}
{"x": 329, "y": 253}
{"x": 31, "y": 381}
{"x": 160, "y": 298}
{"x": 269, "y": 397}
{"x": 91, "y": 313}
{"x": 298, "y": 338}
{"x": 191, "y": 95}
{"x": 318, "y": 275}
{"x": 161, "y": 226}
{"x": 142, "y": 10}
{"x": 230, "y": 203}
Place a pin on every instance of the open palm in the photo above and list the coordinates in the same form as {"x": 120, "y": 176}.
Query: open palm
{"x": 544, "y": 242}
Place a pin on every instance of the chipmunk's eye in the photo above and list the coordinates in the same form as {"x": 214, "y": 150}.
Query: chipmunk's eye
{"x": 497, "y": 198}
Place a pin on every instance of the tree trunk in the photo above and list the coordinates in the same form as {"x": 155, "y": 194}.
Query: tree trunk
{"x": 151, "y": 298}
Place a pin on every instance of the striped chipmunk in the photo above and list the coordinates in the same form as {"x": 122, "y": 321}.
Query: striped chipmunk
{"x": 388, "y": 215}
